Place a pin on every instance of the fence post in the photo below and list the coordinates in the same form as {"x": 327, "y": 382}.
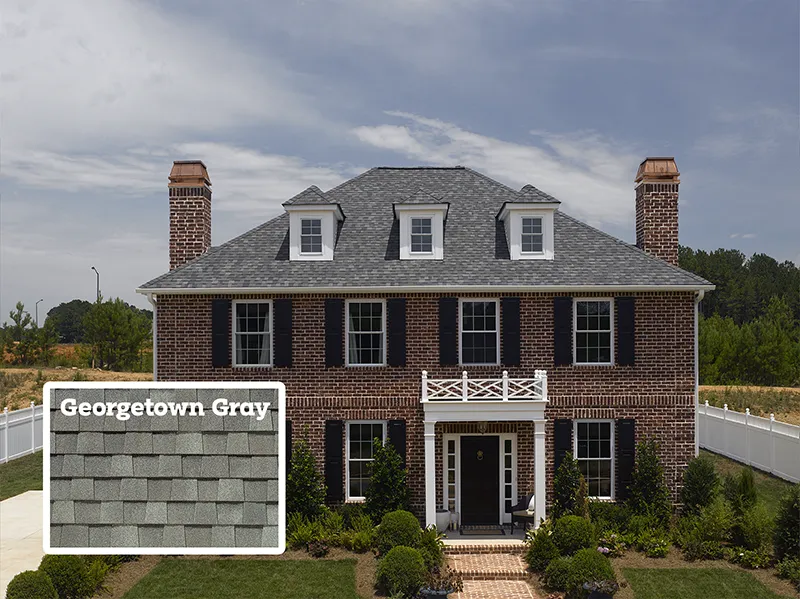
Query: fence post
{"x": 771, "y": 444}
{"x": 705, "y": 424}
{"x": 505, "y": 385}
{"x": 464, "y": 386}
{"x": 747, "y": 436}
{"x": 5, "y": 439}
{"x": 33, "y": 427}
{"x": 725, "y": 431}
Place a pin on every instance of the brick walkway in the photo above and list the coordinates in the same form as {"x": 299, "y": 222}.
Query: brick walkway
{"x": 490, "y": 572}
{"x": 491, "y": 566}
{"x": 495, "y": 589}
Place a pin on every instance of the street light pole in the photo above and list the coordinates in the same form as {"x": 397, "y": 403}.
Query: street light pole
{"x": 98, "y": 282}
{"x": 37, "y": 313}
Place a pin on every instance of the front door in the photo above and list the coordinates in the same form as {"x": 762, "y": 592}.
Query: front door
{"x": 480, "y": 480}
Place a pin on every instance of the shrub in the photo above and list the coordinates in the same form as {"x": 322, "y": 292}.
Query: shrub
{"x": 397, "y": 528}
{"x": 305, "y": 489}
{"x": 300, "y": 531}
{"x": 557, "y": 574}
{"x": 740, "y": 491}
{"x": 31, "y": 584}
{"x": 649, "y": 495}
{"x": 787, "y": 525}
{"x": 331, "y": 526}
{"x": 608, "y": 517}
{"x": 588, "y": 565}
{"x": 612, "y": 545}
{"x": 541, "y": 550}
{"x": 700, "y": 485}
{"x": 653, "y": 543}
{"x": 571, "y": 533}
{"x": 701, "y": 537}
{"x": 637, "y": 525}
{"x": 747, "y": 558}
{"x": 388, "y": 489}
{"x": 318, "y": 548}
{"x": 96, "y": 572}
{"x": 402, "y": 571}
{"x": 755, "y": 528}
{"x": 566, "y": 485}
{"x": 350, "y": 512}
{"x": 69, "y": 576}
{"x": 789, "y": 568}
{"x": 358, "y": 541}
{"x": 431, "y": 547}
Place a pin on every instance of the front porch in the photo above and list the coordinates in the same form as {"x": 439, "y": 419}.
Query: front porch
{"x": 484, "y": 448}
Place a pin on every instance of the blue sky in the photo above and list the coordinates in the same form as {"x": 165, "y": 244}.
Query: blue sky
{"x": 98, "y": 98}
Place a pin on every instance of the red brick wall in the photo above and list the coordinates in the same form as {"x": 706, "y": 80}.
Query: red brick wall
{"x": 657, "y": 220}
{"x": 658, "y": 391}
{"x": 189, "y": 223}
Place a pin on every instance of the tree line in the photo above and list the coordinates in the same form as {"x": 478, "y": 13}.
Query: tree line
{"x": 750, "y": 324}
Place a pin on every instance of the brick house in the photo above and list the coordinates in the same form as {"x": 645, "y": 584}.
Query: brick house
{"x": 477, "y": 328}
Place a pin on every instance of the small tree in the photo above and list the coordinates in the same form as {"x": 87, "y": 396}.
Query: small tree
{"x": 388, "y": 489}
{"x": 700, "y": 485}
{"x": 566, "y": 486}
{"x": 649, "y": 495}
{"x": 787, "y": 525}
{"x": 117, "y": 333}
{"x": 305, "y": 489}
{"x": 740, "y": 491}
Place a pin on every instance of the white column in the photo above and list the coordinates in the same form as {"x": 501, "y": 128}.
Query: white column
{"x": 539, "y": 471}
{"x": 430, "y": 473}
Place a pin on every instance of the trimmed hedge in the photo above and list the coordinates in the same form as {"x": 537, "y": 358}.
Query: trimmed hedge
{"x": 402, "y": 571}
{"x": 69, "y": 574}
{"x": 572, "y": 533}
{"x": 397, "y": 528}
{"x": 31, "y": 584}
{"x": 541, "y": 550}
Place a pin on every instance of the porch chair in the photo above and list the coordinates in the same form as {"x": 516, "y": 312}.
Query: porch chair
{"x": 523, "y": 511}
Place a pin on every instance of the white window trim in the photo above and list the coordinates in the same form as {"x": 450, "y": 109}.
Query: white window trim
{"x": 432, "y": 219}
{"x": 321, "y": 235}
{"x": 512, "y": 216}
{"x": 330, "y": 217}
{"x": 271, "y": 334}
{"x": 347, "y": 424}
{"x": 347, "y": 331}
{"x": 521, "y": 234}
{"x": 437, "y": 213}
{"x": 613, "y": 450}
{"x": 461, "y": 301}
{"x": 612, "y": 324}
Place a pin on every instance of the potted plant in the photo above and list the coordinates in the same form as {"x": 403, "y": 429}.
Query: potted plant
{"x": 601, "y": 589}
{"x": 441, "y": 582}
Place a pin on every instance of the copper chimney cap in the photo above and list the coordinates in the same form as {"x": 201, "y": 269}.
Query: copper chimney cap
{"x": 191, "y": 173}
{"x": 658, "y": 169}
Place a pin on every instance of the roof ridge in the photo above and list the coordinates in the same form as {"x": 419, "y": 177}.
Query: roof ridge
{"x": 488, "y": 178}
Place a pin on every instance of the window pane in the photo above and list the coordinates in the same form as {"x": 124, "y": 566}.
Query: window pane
{"x": 593, "y": 332}
{"x": 252, "y": 342}
{"x": 365, "y": 332}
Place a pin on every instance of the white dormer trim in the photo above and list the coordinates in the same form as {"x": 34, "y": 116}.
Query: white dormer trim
{"x": 437, "y": 213}
{"x": 329, "y": 217}
{"x": 512, "y": 215}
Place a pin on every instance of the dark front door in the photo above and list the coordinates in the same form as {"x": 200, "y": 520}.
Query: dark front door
{"x": 480, "y": 480}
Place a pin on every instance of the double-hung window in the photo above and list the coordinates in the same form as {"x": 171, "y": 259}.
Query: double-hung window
{"x": 421, "y": 235}
{"x": 480, "y": 332}
{"x": 361, "y": 437}
{"x": 594, "y": 450}
{"x": 594, "y": 331}
{"x": 365, "y": 333}
{"x": 532, "y": 241}
{"x": 311, "y": 236}
{"x": 252, "y": 333}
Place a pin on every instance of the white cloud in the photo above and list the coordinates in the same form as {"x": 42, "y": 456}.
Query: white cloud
{"x": 742, "y": 235}
{"x": 592, "y": 175}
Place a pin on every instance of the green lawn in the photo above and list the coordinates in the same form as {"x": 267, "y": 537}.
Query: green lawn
{"x": 695, "y": 583}
{"x": 248, "y": 579}
{"x": 770, "y": 488}
{"x": 20, "y": 475}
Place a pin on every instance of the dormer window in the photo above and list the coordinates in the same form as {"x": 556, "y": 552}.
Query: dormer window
{"x": 528, "y": 222}
{"x": 311, "y": 236}
{"x": 532, "y": 235}
{"x": 421, "y": 235}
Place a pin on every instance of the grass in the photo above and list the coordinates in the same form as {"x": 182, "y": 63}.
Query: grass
{"x": 20, "y": 475}
{"x": 248, "y": 579}
{"x": 770, "y": 488}
{"x": 762, "y": 401}
{"x": 695, "y": 583}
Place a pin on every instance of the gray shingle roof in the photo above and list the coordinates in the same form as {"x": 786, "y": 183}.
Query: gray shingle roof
{"x": 530, "y": 194}
{"x": 421, "y": 196}
{"x": 475, "y": 252}
{"x": 312, "y": 195}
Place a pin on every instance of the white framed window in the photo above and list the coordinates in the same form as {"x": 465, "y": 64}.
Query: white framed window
{"x": 366, "y": 332}
{"x": 311, "y": 236}
{"x": 532, "y": 241}
{"x": 421, "y": 235}
{"x": 593, "y": 324}
{"x": 252, "y": 333}
{"x": 360, "y": 440}
{"x": 594, "y": 450}
{"x": 479, "y": 331}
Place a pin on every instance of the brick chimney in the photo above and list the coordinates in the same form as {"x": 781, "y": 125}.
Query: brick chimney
{"x": 657, "y": 183}
{"x": 189, "y": 211}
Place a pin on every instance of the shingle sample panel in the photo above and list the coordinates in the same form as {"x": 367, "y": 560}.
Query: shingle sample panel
{"x": 164, "y": 481}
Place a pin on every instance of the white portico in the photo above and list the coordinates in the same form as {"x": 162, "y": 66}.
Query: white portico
{"x": 475, "y": 478}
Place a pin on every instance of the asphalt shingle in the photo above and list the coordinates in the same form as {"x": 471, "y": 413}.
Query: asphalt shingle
{"x": 72, "y": 465}
{"x": 198, "y": 536}
{"x": 230, "y": 489}
{"x": 62, "y": 512}
{"x": 138, "y": 443}
{"x": 107, "y": 489}
{"x": 189, "y": 443}
{"x": 151, "y": 536}
{"x": 191, "y": 465}
{"x": 135, "y": 489}
{"x": 98, "y": 466}
{"x": 90, "y": 443}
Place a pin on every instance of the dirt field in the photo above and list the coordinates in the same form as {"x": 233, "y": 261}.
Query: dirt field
{"x": 20, "y": 386}
{"x": 784, "y": 402}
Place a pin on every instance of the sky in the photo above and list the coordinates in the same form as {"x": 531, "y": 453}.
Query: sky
{"x": 97, "y": 98}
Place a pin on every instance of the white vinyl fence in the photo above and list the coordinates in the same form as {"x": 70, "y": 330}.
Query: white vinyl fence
{"x": 20, "y": 432}
{"x": 764, "y": 443}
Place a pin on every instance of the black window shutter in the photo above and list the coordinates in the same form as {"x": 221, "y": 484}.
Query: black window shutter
{"x": 220, "y": 332}
{"x": 334, "y": 335}
{"x": 511, "y": 332}
{"x": 288, "y": 445}
{"x": 626, "y": 456}
{"x": 562, "y": 325}
{"x": 448, "y": 331}
{"x": 396, "y": 327}
{"x": 334, "y": 463}
{"x": 282, "y": 322}
{"x": 562, "y": 440}
{"x": 626, "y": 325}
{"x": 397, "y": 438}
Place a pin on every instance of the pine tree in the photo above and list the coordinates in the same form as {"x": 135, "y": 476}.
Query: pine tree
{"x": 388, "y": 489}
{"x": 649, "y": 495}
{"x": 566, "y": 487}
{"x": 305, "y": 489}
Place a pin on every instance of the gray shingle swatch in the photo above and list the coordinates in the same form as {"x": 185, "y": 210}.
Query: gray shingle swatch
{"x": 185, "y": 481}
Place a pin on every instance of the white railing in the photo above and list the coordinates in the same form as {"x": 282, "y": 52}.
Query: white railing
{"x": 764, "y": 443}
{"x": 493, "y": 389}
{"x": 20, "y": 432}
